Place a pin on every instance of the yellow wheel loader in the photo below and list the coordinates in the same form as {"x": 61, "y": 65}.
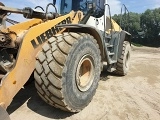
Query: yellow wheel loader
{"x": 65, "y": 50}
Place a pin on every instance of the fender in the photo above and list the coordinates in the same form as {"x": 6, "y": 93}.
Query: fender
{"x": 124, "y": 36}
{"x": 97, "y": 34}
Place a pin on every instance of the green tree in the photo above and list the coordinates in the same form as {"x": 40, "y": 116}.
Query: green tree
{"x": 145, "y": 27}
{"x": 133, "y": 22}
{"x": 150, "y": 22}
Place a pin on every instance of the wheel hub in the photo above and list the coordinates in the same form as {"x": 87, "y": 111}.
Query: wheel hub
{"x": 85, "y": 73}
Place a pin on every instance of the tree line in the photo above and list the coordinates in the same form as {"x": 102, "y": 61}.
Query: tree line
{"x": 144, "y": 27}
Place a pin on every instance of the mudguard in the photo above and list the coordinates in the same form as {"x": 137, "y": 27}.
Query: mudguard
{"x": 97, "y": 34}
{"x": 124, "y": 36}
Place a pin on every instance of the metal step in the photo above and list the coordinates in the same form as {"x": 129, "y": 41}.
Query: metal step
{"x": 108, "y": 45}
{"x": 111, "y": 54}
{"x": 113, "y": 61}
{"x": 108, "y": 37}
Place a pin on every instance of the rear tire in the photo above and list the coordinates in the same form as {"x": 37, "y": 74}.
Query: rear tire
{"x": 68, "y": 70}
{"x": 122, "y": 66}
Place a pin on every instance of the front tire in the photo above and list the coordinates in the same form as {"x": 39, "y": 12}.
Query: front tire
{"x": 68, "y": 70}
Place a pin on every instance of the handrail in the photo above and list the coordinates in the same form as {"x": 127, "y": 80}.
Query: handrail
{"x": 109, "y": 18}
{"x": 126, "y": 11}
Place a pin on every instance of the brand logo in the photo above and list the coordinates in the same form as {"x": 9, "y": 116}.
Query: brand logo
{"x": 49, "y": 33}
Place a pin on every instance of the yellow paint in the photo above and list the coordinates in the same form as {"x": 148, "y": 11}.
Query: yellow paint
{"x": 25, "y": 63}
{"x": 115, "y": 27}
{"x": 26, "y": 59}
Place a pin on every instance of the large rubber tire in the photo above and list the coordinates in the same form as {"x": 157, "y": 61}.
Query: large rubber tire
{"x": 60, "y": 76}
{"x": 122, "y": 66}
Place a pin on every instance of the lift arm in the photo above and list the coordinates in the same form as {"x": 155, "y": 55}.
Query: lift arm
{"x": 29, "y": 13}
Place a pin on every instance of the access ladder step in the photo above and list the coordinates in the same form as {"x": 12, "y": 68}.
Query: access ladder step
{"x": 111, "y": 53}
{"x": 108, "y": 45}
{"x": 113, "y": 61}
{"x": 108, "y": 37}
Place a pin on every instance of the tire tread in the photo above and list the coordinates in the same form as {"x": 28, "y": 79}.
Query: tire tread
{"x": 59, "y": 47}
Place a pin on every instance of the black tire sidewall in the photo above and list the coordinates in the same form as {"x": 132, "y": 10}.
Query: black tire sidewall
{"x": 75, "y": 98}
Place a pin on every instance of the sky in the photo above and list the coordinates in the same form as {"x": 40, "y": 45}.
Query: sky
{"x": 138, "y": 6}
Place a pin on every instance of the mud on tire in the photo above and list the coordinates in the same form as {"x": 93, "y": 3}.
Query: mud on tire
{"x": 68, "y": 70}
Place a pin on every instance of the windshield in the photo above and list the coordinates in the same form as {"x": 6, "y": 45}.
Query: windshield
{"x": 68, "y": 5}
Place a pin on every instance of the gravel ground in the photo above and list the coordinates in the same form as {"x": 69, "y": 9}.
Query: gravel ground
{"x": 132, "y": 97}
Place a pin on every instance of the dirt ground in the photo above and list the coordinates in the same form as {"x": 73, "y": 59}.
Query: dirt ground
{"x": 132, "y": 97}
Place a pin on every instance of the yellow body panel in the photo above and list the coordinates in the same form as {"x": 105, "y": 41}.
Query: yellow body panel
{"x": 115, "y": 26}
{"x": 25, "y": 63}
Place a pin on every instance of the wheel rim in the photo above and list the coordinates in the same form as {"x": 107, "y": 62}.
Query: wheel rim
{"x": 127, "y": 60}
{"x": 85, "y": 73}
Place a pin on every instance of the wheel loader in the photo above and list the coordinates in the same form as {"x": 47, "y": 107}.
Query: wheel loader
{"x": 65, "y": 49}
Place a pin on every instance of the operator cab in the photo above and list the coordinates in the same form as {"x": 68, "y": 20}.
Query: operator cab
{"x": 83, "y": 5}
{"x": 69, "y": 5}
